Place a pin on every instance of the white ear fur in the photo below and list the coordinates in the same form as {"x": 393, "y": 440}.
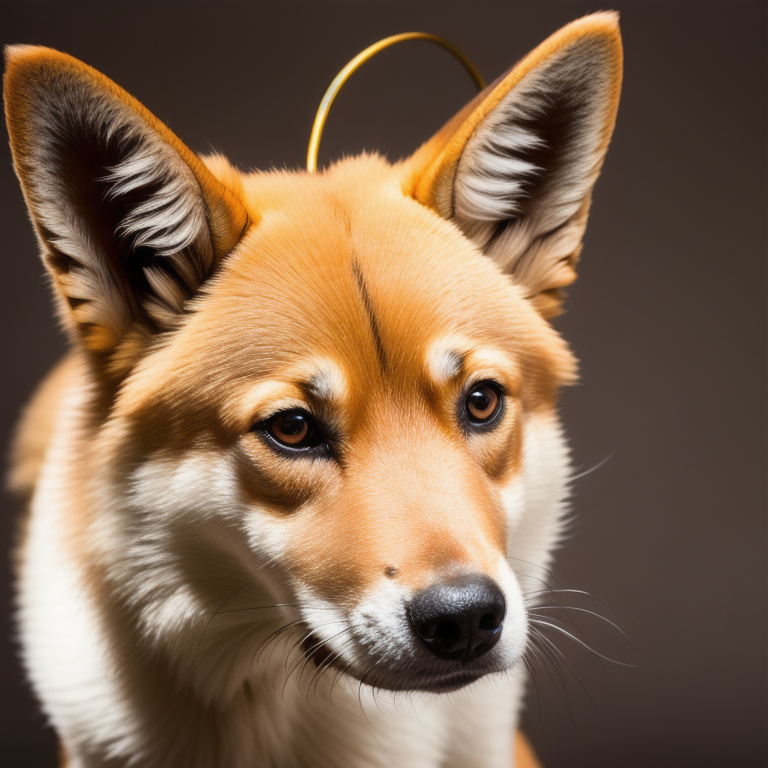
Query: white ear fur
{"x": 124, "y": 217}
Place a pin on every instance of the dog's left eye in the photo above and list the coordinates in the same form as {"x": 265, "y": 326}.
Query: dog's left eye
{"x": 295, "y": 430}
{"x": 483, "y": 405}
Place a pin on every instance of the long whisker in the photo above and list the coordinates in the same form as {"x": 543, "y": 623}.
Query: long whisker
{"x": 532, "y": 678}
{"x": 540, "y": 622}
{"x": 587, "y": 611}
{"x": 305, "y": 656}
{"x": 558, "y": 654}
{"x": 213, "y": 615}
{"x": 273, "y": 637}
{"x": 564, "y": 591}
{"x": 329, "y": 663}
{"x": 321, "y": 644}
{"x": 552, "y": 654}
{"x": 263, "y": 607}
{"x": 360, "y": 688}
{"x": 220, "y": 609}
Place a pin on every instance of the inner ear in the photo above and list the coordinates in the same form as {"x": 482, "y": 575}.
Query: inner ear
{"x": 145, "y": 211}
{"x": 515, "y": 169}
{"x": 534, "y": 158}
{"x": 131, "y": 221}
{"x": 123, "y": 217}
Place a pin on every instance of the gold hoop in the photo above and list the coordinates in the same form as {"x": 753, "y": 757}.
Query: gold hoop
{"x": 356, "y": 63}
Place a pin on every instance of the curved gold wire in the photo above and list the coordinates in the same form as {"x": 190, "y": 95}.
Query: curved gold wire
{"x": 357, "y": 62}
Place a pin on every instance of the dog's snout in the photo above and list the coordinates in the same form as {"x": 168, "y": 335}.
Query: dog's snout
{"x": 460, "y": 618}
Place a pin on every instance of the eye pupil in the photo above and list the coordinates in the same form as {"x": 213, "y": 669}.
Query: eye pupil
{"x": 482, "y": 404}
{"x": 480, "y": 401}
{"x": 293, "y": 424}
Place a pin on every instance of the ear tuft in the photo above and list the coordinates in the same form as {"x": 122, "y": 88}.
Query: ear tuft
{"x": 494, "y": 185}
{"x": 172, "y": 218}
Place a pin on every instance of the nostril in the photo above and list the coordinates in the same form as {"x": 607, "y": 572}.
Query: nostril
{"x": 447, "y": 634}
{"x": 490, "y": 621}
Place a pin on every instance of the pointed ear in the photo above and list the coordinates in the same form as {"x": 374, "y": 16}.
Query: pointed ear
{"x": 515, "y": 169}
{"x": 131, "y": 221}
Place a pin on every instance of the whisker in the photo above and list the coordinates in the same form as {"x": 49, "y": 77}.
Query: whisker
{"x": 538, "y": 654}
{"x": 553, "y": 655}
{"x": 273, "y": 637}
{"x": 263, "y": 607}
{"x": 532, "y": 678}
{"x": 328, "y": 663}
{"x": 213, "y": 615}
{"x": 540, "y": 622}
{"x": 579, "y": 592}
{"x": 305, "y": 656}
{"x": 360, "y": 690}
{"x": 558, "y": 654}
{"x": 322, "y": 644}
{"x": 594, "y": 468}
{"x": 587, "y": 611}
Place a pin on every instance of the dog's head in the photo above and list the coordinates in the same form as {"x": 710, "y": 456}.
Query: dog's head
{"x": 321, "y": 406}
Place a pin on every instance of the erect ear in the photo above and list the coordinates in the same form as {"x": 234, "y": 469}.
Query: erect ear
{"x": 131, "y": 221}
{"x": 515, "y": 169}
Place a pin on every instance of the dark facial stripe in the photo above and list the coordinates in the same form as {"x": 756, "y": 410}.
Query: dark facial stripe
{"x": 363, "y": 288}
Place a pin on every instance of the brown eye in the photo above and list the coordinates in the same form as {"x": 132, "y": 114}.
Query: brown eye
{"x": 484, "y": 404}
{"x": 290, "y": 428}
{"x": 295, "y": 433}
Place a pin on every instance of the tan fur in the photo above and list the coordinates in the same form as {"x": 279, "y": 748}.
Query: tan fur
{"x": 36, "y": 427}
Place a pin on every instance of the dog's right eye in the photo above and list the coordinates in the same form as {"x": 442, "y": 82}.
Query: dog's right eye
{"x": 295, "y": 431}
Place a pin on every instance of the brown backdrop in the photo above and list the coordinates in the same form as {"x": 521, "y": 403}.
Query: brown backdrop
{"x": 668, "y": 319}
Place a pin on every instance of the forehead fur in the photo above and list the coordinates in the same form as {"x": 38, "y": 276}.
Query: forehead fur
{"x": 343, "y": 266}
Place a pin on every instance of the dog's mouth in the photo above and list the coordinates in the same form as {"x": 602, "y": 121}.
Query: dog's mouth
{"x": 430, "y": 682}
{"x": 316, "y": 651}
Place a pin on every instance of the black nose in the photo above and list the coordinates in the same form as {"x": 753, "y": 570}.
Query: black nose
{"x": 459, "y": 618}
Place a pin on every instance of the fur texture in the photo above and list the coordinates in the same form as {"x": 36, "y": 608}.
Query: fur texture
{"x": 264, "y": 450}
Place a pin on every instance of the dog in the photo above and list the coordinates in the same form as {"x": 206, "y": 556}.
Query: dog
{"x": 293, "y": 490}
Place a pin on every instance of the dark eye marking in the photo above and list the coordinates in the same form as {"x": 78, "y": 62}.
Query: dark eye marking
{"x": 294, "y": 433}
{"x": 482, "y": 406}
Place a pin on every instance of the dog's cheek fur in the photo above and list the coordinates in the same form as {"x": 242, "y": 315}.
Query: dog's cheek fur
{"x": 537, "y": 500}
{"x": 181, "y": 542}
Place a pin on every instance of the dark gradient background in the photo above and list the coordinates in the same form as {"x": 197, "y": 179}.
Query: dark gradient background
{"x": 668, "y": 319}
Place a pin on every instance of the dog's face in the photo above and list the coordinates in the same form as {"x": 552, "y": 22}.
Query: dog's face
{"x": 364, "y": 401}
{"x": 324, "y": 406}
